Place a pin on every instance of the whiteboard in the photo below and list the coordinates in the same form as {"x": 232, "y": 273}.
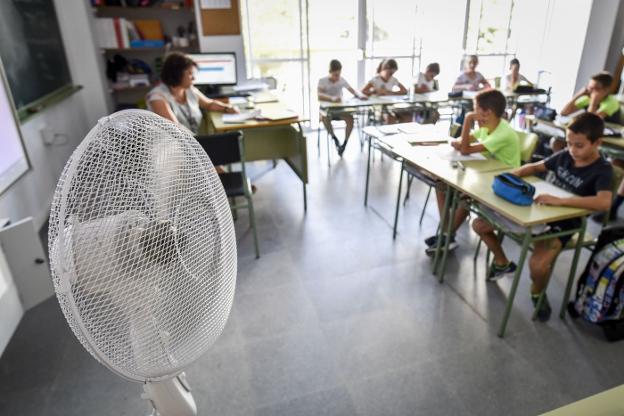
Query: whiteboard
{"x": 13, "y": 159}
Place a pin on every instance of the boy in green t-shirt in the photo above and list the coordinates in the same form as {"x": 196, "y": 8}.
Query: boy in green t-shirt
{"x": 494, "y": 137}
{"x": 595, "y": 98}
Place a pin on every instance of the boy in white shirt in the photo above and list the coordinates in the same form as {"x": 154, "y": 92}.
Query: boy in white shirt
{"x": 426, "y": 81}
{"x": 330, "y": 89}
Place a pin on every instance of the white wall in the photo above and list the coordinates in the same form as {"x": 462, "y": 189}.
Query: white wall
{"x": 11, "y": 309}
{"x": 71, "y": 119}
{"x": 231, "y": 43}
{"x": 598, "y": 36}
{"x": 617, "y": 41}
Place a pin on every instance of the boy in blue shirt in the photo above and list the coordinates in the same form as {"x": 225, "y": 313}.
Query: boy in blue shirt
{"x": 579, "y": 169}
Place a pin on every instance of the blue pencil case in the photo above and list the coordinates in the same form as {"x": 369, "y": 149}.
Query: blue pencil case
{"x": 514, "y": 189}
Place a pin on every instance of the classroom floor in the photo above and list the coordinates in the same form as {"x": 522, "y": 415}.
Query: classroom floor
{"x": 336, "y": 318}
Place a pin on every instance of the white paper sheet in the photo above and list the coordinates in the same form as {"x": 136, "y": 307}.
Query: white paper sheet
{"x": 388, "y": 129}
{"x": 446, "y": 152}
{"x": 240, "y": 117}
{"x": 543, "y": 187}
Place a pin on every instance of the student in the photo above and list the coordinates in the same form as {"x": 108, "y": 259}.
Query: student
{"x": 384, "y": 83}
{"x": 514, "y": 77}
{"x": 330, "y": 89}
{"x": 581, "y": 170}
{"x": 595, "y": 99}
{"x": 470, "y": 79}
{"x": 177, "y": 99}
{"x": 426, "y": 81}
{"x": 494, "y": 136}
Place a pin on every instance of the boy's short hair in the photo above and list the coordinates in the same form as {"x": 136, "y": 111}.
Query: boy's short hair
{"x": 588, "y": 124}
{"x": 514, "y": 61}
{"x": 604, "y": 78}
{"x": 335, "y": 65}
{"x": 492, "y": 100}
{"x": 433, "y": 67}
{"x": 173, "y": 68}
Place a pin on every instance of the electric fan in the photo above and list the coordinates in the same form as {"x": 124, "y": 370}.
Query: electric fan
{"x": 143, "y": 253}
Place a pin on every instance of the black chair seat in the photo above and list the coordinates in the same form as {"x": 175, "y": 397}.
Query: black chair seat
{"x": 234, "y": 183}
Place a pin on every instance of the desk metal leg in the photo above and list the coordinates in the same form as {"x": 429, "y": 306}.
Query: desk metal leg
{"x": 305, "y": 198}
{"x": 368, "y": 170}
{"x": 528, "y": 236}
{"x": 398, "y": 202}
{"x": 447, "y": 203}
{"x": 449, "y": 233}
{"x": 577, "y": 253}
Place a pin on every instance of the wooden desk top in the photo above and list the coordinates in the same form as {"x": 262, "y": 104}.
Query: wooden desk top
{"x": 216, "y": 118}
{"x": 607, "y": 403}
{"x": 433, "y": 97}
{"x": 476, "y": 182}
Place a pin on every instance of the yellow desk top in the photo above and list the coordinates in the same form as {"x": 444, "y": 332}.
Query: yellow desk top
{"x": 607, "y": 403}
{"x": 274, "y": 108}
{"x": 476, "y": 182}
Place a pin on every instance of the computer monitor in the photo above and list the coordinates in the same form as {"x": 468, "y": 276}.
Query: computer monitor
{"x": 215, "y": 69}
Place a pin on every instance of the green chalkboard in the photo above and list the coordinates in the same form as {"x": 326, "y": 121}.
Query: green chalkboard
{"x": 32, "y": 52}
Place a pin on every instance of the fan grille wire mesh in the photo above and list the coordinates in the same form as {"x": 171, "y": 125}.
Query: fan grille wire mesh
{"x": 142, "y": 246}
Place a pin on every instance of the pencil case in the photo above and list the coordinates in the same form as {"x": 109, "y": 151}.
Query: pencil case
{"x": 514, "y": 189}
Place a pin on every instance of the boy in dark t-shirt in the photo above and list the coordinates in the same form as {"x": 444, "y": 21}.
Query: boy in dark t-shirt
{"x": 579, "y": 169}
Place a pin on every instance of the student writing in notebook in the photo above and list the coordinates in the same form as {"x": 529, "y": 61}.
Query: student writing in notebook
{"x": 330, "y": 89}
{"x": 514, "y": 77}
{"x": 471, "y": 79}
{"x": 581, "y": 170}
{"x": 384, "y": 83}
{"x": 426, "y": 81}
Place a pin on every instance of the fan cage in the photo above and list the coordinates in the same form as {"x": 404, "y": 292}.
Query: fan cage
{"x": 142, "y": 246}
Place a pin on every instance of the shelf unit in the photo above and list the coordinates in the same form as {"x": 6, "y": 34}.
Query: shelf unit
{"x": 170, "y": 19}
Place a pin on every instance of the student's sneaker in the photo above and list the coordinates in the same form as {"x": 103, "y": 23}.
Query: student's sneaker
{"x": 432, "y": 248}
{"x": 498, "y": 272}
{"x": 543, "y": 314}
{"x": 431, "y": 240}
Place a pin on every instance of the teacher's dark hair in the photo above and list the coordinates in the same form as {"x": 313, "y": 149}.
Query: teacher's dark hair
{"x": 173, "y": 68}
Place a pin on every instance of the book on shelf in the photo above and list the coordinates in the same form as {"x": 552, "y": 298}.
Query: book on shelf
{"x": 121, "y": 33}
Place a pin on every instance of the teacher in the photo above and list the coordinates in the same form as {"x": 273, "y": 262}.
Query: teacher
{"x": 176, "y": 99}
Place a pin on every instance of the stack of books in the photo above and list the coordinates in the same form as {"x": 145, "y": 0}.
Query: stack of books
{"x": 120, "y": 33}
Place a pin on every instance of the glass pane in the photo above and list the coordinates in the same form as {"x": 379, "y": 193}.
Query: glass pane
{"x": 272, "y": 28}
{"x": 289, "y": 82}
{"x": 488, "y": 26}
{"x": 389, "y": 32}
{"x": 333, "y": 25}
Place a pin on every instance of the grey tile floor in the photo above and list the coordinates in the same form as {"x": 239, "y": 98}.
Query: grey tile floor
{"x": 336, "y": 318}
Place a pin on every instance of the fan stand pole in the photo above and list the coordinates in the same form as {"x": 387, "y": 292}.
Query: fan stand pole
{"x": 170, "y": 397}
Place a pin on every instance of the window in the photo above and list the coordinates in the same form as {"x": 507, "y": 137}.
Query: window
{"x": 488, "y": 32}
{"x": 294, "y": 40}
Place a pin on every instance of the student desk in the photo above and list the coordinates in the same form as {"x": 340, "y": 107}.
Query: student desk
{"x": 607, "y": 403}
{"x": 611, "y": 146}
{"x": 428, "y": 100}
{"x": 270, "y": 139}
{"x": 477, "y": 186}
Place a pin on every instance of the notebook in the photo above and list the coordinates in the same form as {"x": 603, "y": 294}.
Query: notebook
{"x": 278, "y": 114}
{"x": 236, "y": 118}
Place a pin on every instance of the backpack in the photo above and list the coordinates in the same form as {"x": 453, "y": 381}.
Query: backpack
{"x": 600, "y": 289}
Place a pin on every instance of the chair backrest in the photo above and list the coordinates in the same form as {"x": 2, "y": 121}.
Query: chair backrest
{"x": 455, "y": 130}
{"x": 528, "y": 143}
{"x": 223, "y": 149}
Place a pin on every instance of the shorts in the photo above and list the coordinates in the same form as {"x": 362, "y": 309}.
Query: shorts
{"x": 564, "y": 225}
